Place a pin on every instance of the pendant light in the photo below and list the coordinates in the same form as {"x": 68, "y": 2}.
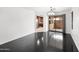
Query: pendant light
{"x": 51, "y": 13}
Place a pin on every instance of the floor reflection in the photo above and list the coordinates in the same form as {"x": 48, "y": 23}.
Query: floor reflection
{"x": 39, "y": 44}
{"x": 54, "y": 42}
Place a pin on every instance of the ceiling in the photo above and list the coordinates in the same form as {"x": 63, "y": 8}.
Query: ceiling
{"x": 41, "y": 10}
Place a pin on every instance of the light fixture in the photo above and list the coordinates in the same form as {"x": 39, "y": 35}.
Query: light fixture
{"x": 51, "y": 13}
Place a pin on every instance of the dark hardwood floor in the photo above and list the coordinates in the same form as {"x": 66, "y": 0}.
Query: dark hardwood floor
{"x": 41, "y": 42}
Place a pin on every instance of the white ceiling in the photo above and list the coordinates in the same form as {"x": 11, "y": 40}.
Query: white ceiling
{"x": 46, "y": 9}
{"x": 41, "y": 10}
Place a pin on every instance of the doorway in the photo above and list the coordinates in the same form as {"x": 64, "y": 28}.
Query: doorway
{"x": 57, "y": 23}
{"x": 39, "y": 24}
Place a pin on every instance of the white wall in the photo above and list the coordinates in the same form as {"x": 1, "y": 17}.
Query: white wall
{"x": 68, "y": 22}
{"x": 15, "y": 23}
{"x": 45, "y": 23}
{"x": 75, "y": 31}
